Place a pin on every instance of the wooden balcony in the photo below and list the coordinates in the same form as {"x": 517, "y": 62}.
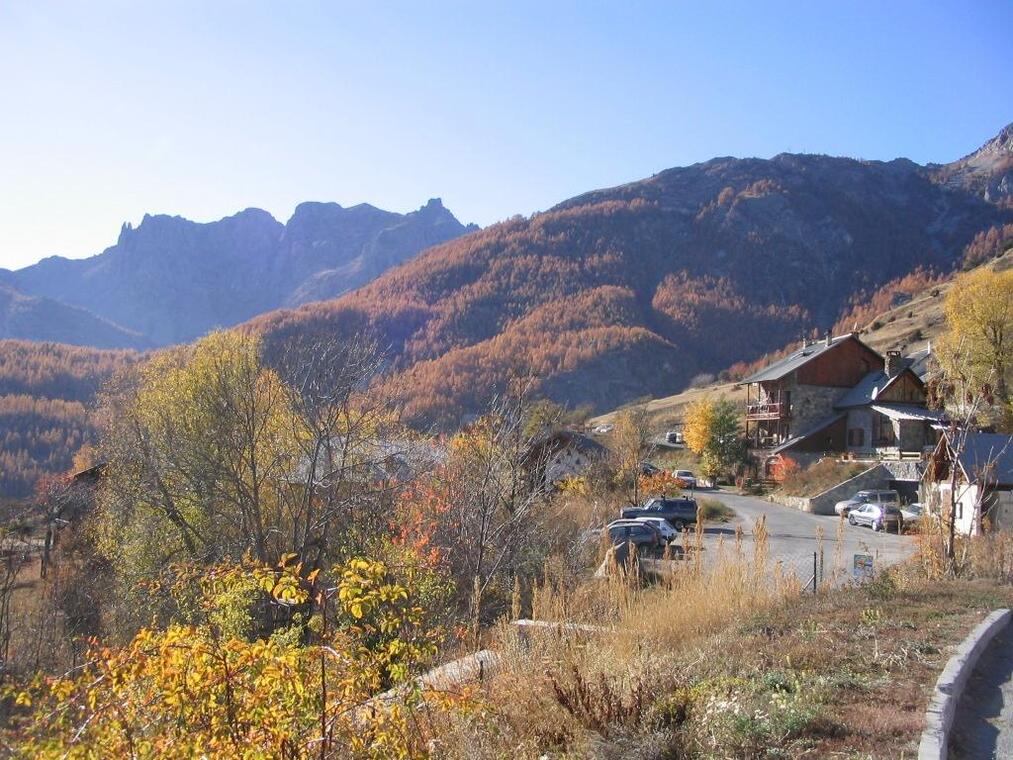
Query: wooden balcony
{"x": 767, "y": 410}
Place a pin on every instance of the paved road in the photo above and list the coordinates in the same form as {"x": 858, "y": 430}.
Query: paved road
{"x": 983, "y": 724}
{"x": 792, "y": 535}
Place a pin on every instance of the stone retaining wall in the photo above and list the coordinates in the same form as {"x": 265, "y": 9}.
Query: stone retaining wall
{"x": 876, "y": 476}
{"x": 950, "y": 686}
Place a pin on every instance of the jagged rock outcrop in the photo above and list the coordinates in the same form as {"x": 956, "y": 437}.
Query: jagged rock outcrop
{"x": 987, "y": 172}
{"x": 170, "y": 280}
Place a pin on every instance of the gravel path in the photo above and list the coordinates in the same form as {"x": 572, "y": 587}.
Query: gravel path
{"x": 983, "y": 725}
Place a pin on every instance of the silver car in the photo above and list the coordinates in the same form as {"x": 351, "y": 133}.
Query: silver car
{"x": 877, "y": 517}
{"x": 866, "y": 497}
{"x": 686, "y": 477}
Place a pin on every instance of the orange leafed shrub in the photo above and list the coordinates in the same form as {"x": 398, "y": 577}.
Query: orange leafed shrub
{"x": 784, "y": 468}
{"x": 660, "y": 484}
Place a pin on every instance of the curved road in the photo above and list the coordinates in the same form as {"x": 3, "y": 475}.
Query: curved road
{"x": 983, "y": 724}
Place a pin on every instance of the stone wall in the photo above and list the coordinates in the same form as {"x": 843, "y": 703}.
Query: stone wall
{"x": 876, "y": 476}
{"x": 912, "y": 435}
{"x": 811, "y": 404}
{"x": 801, "y": 503}
{"x": 910, "y": 469}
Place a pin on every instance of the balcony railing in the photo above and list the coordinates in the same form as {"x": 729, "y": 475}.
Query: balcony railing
{"x": 768, "y": 409}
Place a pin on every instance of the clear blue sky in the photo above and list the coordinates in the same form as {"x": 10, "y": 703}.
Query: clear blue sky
{"x": 114, "y": 109}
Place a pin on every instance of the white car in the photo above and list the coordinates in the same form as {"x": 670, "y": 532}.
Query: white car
{"x": 662, "y": 525}
{"x": 912, "y": 514}
{"x": 686, "y": 477}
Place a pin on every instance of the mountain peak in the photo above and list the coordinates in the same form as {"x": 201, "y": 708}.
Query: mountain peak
{"x": 171, "y": 279}
{"x": 988, "y": 171}
{"x": 1002, "y": 143}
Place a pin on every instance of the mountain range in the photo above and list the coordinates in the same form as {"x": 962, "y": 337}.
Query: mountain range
{"x": 632, "y": 291}
{"x": 170, "y": 280}
{"x": 609, "y": 296}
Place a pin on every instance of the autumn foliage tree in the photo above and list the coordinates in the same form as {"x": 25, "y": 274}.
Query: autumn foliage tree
{"x": 214, "y": 455}
{"x": 713, "y": 431}
{"x": 492, "y": 485}
{"x": 630, "y": 438}
{"x": 976, "y": 351}
{"x": 46, "y": 394}
{"x": 205, "y": 687}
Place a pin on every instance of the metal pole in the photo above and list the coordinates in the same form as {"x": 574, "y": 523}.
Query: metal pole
{"x": 814, "y": 572}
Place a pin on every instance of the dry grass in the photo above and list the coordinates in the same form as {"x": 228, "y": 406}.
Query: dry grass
{"x": 818, "y": 477}
{"x": 712, "y": 510}
{"x": 728, "y": 660}
{"x": 664, "y": 412}
{"x": 988, "y": 556}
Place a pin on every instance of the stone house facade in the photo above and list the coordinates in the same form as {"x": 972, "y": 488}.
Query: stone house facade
{"x": 839, "y": 396}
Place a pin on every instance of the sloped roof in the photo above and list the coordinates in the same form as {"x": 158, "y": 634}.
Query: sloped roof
{"x": 909, "y": 412}
{"x": 992, "y": 450}
{"x": 869, "y": 387}
{"x": 812, "y": 430}
{"x": 921, "y": 362}
{"x": 370, "y": 459}
{"x": 793, "y": 361}
{"x": 561, "y": 439}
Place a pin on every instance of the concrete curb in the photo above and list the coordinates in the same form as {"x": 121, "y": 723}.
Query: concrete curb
{"x": 949, "y": 687}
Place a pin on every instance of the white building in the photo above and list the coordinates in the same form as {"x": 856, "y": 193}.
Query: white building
{"x": 984, "y": 483}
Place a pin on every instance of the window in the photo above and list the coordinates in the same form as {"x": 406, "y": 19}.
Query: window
{"x": 856, "y": 437}
{"x": 882, "y": 430}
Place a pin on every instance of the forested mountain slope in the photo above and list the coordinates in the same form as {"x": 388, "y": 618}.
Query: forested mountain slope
{"x": 634, "y": 290}
{"x": 46, "y": 393}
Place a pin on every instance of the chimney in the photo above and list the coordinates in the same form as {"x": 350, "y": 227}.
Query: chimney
{"x": 894, "y": 364}
{"x": 829, "y": 339}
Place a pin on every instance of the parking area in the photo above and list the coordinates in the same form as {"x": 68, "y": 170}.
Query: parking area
{"x": 793, "y": 536}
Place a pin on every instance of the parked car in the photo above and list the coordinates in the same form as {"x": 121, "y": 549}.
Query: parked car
{"x": 674, "y": 437}
{"x": 912, "y": 514}
{"x": 668, "y": 533}
{"x": 866, "y": 497}
{"x": 602, "y": 429}
{"x": 678, "y": 512}
{"x": 687, "y": 477}
{"x": 877, "y": 517}
{"x": 646, "y": 468}
{"x": 642, "y": 535}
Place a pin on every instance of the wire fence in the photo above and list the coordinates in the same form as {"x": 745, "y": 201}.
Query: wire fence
{"x": 819, "y": 569}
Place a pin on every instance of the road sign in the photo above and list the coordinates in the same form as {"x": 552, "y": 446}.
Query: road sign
{"x": 863, "y": 570}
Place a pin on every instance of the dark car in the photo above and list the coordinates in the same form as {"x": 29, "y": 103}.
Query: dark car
{"x": 644, "y": 536}
{"x": 678, "y": 512}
